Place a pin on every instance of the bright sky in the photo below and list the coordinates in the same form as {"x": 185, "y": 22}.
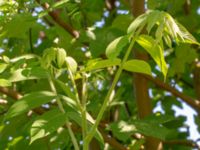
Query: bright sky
{"x": 189, "y": 113}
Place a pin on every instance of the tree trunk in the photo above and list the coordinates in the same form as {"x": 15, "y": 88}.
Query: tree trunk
{"x": 196, "y": 78}
{"x": 141, "y": 84}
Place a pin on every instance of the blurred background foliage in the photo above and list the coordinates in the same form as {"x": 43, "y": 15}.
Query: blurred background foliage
{"x": 84, "y": 28}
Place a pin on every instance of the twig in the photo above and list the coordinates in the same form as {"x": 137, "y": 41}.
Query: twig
{"x": 16, "y": 96}
{"x": 11, "y": 93}
{"x": 189, "y": 100}
{"x": 30, "y": 40}
{"x": 60, "y": 106}
{"x": 108, "y": 96}
{"x": 112, "y": 141}
{"x": 3, "y": 102}
{"x": 55, "y": 16}
{"x": 188, "y": 143}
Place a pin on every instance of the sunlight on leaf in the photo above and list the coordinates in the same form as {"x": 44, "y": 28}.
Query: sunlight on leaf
{"x": 27, "y": 74}
{"x": 100, "y": 64}
{"x": 137, "y": 23}
{"x": 28, "y": 102}
{"x": 138, "y": 66}
{"x": 116, "y": 46}
{"x": 47, "y": 123}
{"x": 72, "y": 64}
{"x": 4, "y": 82}
{"x": 77, "y": 118}
{"x": 3, "y": 67}
{"x": 156, "y": 52}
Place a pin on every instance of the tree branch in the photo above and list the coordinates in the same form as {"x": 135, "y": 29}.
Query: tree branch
{"x": 16, "y": 96}
{"x": 140, "y": 83}
{"x": 188, "y": 143}
{"x": 3, "y": 102}
{"x": 189, "y": 100}
{"x": 11, "y": 93}
{"x": 55, "y": 16}
{"x": 112, "y": 142}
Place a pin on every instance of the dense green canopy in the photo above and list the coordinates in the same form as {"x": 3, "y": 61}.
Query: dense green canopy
{"x": 99, "y": 74}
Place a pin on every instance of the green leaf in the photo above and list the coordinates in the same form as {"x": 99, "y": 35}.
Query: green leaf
{"x": 26, "y": 56}
{"x": 159, "y": 32}
{"x": 153, "y": 18}
{"x": 155, "y": 50}
{"x": 159, "y": 119}
{"x": 138, "y": 66}
{"x": 100, "y": 64}
{"x": 185, "y": 54}
{"x": 90, "y": 34}
{"x": 123, "y": 130}
{"x": 187, "y": 37}
{"x": 59, "y": 3}
{"x": 27, "y": 74}
{"x": 138, "y": 23}
{"x": 72, "y": 64}
{"x": 69, "y": 101}
{"x": 167, "y": 40}
{"x": 153, "y": 130}
{"x": 117, "y": 131}
{"x": 116, "y": 46}
{"x": 4, "y": 82}
{"x": 77, "y": 118}
{"x": 22, "y": 22}
{"x": 28, "y": 102}
{"x": 66, "y": 89}
{"x": 171, "y": 26}
{"x": 48, "y": 56}
{"x": 47, "y": 123}
{"x": 3, "y": 67}
{"x": 60, "y": 56}
{"x": 53, "y": 57}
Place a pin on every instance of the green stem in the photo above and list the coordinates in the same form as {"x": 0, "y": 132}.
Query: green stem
{"x": 108, "y": 97}
{"x": 84, "y": 101}
{"x": 80, "y": 107}
{"x": 77, "y": 99}
{"x": 60, "y": 106}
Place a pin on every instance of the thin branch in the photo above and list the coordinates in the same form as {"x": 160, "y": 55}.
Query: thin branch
{"x": 188, "y": 143}
{"x": 110, "y": 4}
{"x": 55, "y": 16}
{"x": 189, "y": 100}
{"x": 11, "y": 93}
{"x": 16, "y": 96}
{"x": 187, "y": 7}
{"x": 3, "y": 102}
{"x": 107, "y": 138}
{"x": 112, "y": 141}
{"x": 30, "y": 40}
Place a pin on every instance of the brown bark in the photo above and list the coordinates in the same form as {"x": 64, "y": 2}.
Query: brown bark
{"x": 94, "y": 144}
{"x": 196, "y": 79}
{"x": 55, "y": 16}
{"x": 141, "y": 85}
{"x": 110, "y": 4}
{"x": 194, "y": 103}
{"x": 16, "y": 96}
